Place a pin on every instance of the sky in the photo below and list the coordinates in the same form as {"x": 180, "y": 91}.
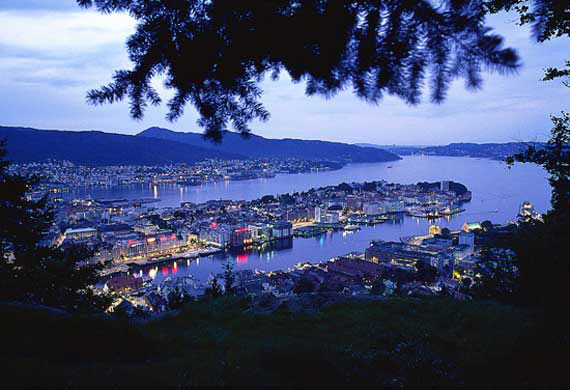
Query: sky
{"x": 52, "y": 52}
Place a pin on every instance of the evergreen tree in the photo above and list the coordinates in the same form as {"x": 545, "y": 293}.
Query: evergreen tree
{"x": 214, "y": 54}
{"x": 31, "y": 271}
{"x": 541, "y": 247}
{"x": 549, "y": 19}
{"x": 229, "y": 277}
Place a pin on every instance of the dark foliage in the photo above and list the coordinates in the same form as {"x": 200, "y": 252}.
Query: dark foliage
{"x": 542, "y": 248}
{"x": 229, "y": 277}
{"x": 29, "y": 271}
{"x": 497, "y": 277}
{"x": 426, "y": 272}
{"x": 178, "y": 298}
{"x": 403, "y": 343}
{"x": 213, "y": 54}
{"x": 555, "y": 158}
{"x": 214, "y": 290}
{"x": 304, "y": 285}
{"x": 267, "y": 199}
{"x": 369, "y": 186}
{"x": 344, "y": 187}
{"x": 549, "y": 19}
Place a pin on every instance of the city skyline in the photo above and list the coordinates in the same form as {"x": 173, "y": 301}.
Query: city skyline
{"x": 52, "y": 53}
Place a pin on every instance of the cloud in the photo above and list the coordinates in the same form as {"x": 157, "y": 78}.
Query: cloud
{"x": 63, "y": 32}
{"x": 52, "y": 52}
{"x": 52, "y": 49}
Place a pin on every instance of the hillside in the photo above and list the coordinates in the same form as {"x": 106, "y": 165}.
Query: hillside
{"x": 259, "y": 147}
{"x": 395, "y": 343}
{"x": 99, "y": 148}
{"x": 495, "y": 151}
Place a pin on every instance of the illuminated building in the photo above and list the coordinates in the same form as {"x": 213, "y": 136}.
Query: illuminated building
{"x": 434, "y": 230}
{"x": 218, "y": 235}
{"x": 80, "y": 234}
{"x": 282, "y": 229}
{"x": 261, "y": 232}
{"x": 240, "y": 236}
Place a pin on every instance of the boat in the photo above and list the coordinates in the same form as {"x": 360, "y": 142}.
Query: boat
{"x": 352, "y": 227}
{"x": 191, "y": 255}
{"x": 210, "y": 251}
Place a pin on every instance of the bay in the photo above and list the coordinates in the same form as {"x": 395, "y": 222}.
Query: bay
{"x": 497, "y": 194}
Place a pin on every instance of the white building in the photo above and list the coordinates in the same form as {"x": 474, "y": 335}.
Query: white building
{"x": 373, "y": 208}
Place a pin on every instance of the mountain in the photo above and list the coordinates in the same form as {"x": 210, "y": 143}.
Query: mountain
{"x": 400, "y": 150}
{"x": 98, "y": 148}
{"x": 259, "y": 147}
{"x": 495, "y": 151}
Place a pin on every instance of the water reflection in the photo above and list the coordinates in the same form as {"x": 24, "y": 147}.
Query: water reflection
{"x": 497, "y": 194}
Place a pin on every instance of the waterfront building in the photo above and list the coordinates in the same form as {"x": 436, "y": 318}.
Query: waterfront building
{"x": 331, "y": 215}
{"x": 317, "y": 214}
{"x": 282, "y": 229}
{"x": 261, "y": 232}
{"x": 373, "y": 208}
{"x": 444, "y": 185}
{"x": 392, "y": 205}
{"x": 80, "y": 233}
{"x": 240, "y": 236}
{"x": 218, "y": 235}
{"x": 471, "y": 226}
{"x": 130, "y": 248}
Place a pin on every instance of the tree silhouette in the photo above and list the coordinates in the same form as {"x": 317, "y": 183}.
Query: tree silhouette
{"x": 214, "y": 54}
{"x": 541, "y": 247}
{"x": 31, "y": 271}
{"x": 549, "y": 19}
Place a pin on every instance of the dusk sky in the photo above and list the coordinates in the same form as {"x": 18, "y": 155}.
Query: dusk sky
{"x": 52, "y": 52}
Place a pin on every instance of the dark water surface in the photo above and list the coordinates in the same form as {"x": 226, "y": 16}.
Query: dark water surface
{"x": 497, "y": 193}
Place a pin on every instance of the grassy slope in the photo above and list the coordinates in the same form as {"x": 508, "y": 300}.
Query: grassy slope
{"x": 393, "y": 342}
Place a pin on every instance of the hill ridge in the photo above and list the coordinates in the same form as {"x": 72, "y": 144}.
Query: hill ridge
{"x": 256, "y": 146}
{"x": 96, "y": 148}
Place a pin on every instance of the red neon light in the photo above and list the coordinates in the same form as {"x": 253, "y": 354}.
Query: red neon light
{"x": 163, "y": 238}
{"x": 242, "y": 259}
{"x": 214, "y": 225}
{"x": 132, "y": 242}
{"x": 173, "y": 237}
{"x": 165, "y": 270}
{"x": 242, "y": 230}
